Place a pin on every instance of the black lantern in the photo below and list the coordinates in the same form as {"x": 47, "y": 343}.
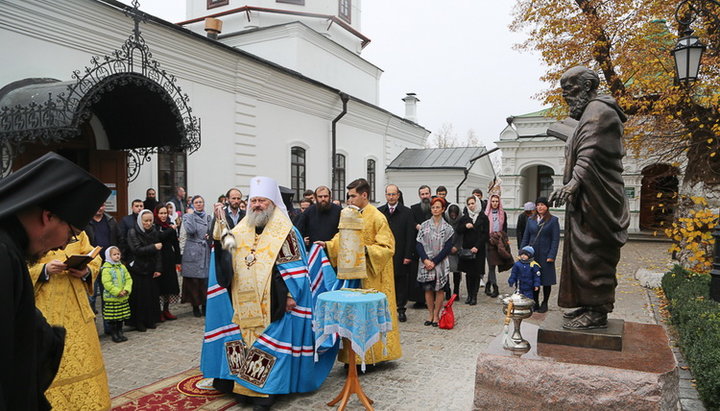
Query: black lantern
{"x": 687, "y": 54}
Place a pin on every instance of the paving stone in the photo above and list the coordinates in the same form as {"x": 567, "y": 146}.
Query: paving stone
{"x": 437, "y": 370}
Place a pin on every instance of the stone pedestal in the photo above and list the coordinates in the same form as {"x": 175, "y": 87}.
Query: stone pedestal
{"x": 552, "y": 332}
{"x": 643, "y": 376}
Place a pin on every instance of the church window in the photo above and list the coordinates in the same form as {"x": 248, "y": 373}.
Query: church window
{"x": 298, "y": 2}
{"x": 371, "y": 178}
{"x": 339, "y": 180}
{"x": 211, "y": 4}
{"x": 544, "y": 181}
{"x": 344, "y": 7}
{"x": 297, "y": 171}
{"x": 172, "y": 172}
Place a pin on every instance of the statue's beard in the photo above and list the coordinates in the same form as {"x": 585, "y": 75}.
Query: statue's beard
{"x": 260, "y": 218}
{"x": 578, "y": 105}
{"x": 425, "y": 205}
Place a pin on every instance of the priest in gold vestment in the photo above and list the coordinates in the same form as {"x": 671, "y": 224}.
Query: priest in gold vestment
{"x": 62, "y": 296}
{"x": 379, "y": 244}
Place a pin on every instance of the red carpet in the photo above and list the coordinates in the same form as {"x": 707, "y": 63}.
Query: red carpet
{"x": 179, "y": 392}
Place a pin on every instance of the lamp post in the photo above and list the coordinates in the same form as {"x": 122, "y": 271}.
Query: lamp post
{"x": 687, "y": 55}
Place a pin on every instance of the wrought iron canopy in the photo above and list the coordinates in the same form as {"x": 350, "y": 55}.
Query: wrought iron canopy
{"x": 141, "y": 106}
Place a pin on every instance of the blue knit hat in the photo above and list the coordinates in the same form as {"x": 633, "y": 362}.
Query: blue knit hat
{"x": 527, "y": 250}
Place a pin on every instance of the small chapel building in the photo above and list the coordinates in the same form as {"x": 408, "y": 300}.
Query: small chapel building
{"x": 533, "y": 164}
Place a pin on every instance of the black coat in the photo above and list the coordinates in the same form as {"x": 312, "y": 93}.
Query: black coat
{"x": 419, "y": 215}
{"x": 520, "y": 229}
{"x": 169, "y": 257}
{"x": 147, "y": 259}
{"x": 473, "y": 237}
{"x": 402, "y": 225}
{"x": 128, "y": 223}
{"x": 30, "y": 349}
{"x": 112, "y": 225}
{"x": 317, "y": 225}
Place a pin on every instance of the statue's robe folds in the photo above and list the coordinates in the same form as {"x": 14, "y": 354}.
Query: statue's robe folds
{"x": 248, "y": 313}
{"x": 596, "y": 221}
{"x": 379, "y": 244}
{"x": 81, "y": 382}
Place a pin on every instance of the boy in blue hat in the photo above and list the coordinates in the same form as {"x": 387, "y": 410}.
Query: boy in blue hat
{"x": 526, "y": 273}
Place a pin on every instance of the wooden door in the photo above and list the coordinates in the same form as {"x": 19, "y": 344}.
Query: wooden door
{"x": 110, "y": 167}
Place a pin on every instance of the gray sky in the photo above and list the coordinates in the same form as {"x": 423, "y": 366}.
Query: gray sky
{"x": 456, "y": 55}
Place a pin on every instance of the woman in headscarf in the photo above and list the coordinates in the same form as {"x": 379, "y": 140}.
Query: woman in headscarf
{"x": 195, "y": 245}
{"x": 144, "y": 242}
{"x": 543, "y": 234}
{"x": 452, "y": 216}
{"x": 473, "y": 228}
{"x": 170, "y": 255}
{"x": 173, "y": 215}
{"x": 499, "y": 257}
{"x": 434, "y": 243}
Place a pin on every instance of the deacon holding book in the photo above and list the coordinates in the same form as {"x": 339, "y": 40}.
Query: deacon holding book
{"x": 61, "y": 293}
{"x": 372, "y": 253}
{"x": 42, "y": 206}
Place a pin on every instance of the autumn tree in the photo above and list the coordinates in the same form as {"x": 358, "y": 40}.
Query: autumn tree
{"x": 446, "y": 137}
{"x": 628, "y": 42}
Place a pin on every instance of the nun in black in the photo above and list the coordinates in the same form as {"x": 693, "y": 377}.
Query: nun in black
{"x": 144, "y": 241}
{"x": 43, "y": 206}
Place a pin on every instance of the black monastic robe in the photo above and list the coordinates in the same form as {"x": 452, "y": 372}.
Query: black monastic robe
{"x": 596, "y": 221}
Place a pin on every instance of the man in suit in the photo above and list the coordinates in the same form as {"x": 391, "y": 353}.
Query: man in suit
{"x": 402, "y": 226}
{"x": 420, "y": 212}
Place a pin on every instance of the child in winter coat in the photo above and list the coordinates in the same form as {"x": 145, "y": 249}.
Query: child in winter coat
{"x": 526, "y": 273}
{"x": 118, "y": 284}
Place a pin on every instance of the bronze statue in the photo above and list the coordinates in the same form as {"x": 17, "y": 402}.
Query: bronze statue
{"x": 596, "y": 216}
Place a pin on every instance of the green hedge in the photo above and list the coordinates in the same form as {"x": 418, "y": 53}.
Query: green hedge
{"x": 697, "y": 320}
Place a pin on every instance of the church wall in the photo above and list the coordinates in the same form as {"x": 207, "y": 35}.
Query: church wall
{"x": 250, "y": 113}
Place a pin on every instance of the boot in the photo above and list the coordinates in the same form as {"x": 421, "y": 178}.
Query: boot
{"x": 196, "y": 311}
{"x": 487, "y": 288}
{"x": 162, "y": 317}
{"x": 114, "y": 333}
{"x": 168, "y": 315}
{"x": 543, "y": 307}
{"x": 121, "y": 334}
{"x": 495, "y": 291}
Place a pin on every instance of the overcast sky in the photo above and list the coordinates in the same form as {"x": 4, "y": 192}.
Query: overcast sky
{"x": 456, "y": 55}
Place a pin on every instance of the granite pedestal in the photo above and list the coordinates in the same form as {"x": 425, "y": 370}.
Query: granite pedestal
{"x": 643, "y": 376}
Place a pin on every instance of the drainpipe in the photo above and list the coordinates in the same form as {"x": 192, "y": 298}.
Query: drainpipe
{"x": 344, "y": 98}
{"x": 467, "y": 171}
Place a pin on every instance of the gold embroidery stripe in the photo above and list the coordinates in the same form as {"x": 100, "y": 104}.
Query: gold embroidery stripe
{"x": 73, "y": 380}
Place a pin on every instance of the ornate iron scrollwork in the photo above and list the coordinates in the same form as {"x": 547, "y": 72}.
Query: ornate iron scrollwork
{"x": 60, "y": 117}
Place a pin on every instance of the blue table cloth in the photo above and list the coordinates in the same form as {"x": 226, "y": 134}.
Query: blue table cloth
{"x": 362, "y": 318}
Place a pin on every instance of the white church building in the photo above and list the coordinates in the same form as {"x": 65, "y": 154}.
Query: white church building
{"x": 266, "y": 87}
{"x": 533, "y": 164}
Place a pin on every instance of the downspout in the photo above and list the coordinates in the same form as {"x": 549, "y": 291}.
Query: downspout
{"x": 467, "y": 171}
{"x": 344, "y": 98}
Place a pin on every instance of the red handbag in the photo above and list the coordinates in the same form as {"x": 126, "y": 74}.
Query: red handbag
{"x": 447, "y": 317}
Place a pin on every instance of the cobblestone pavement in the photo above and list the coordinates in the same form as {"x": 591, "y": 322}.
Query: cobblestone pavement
{"x": 437, "y": 370}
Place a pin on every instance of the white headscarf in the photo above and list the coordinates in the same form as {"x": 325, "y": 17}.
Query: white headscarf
{"x": 139, "y": 219}
{"x": 107, "y": 253}
{"x": 173, "y": 216}
{"x": 268, "y": 188}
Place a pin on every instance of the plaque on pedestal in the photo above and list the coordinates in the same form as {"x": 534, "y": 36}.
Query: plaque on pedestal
{"x": 611, "y": 338}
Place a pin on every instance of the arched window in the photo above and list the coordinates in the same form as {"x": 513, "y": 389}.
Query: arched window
{"x": 297, "y": 171}
{"x": 339, "y": 180}
{"x": 371, "y": 178}
{"x": 344, "y": 7}
{"x": 544, "y": 181}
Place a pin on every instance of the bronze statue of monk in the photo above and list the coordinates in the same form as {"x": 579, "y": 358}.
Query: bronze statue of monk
{"x": 596, "y": 216}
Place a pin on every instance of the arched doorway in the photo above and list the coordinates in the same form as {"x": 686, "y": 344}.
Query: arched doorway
{"x": 658, "y": 196}
{"x": 536, "y": 181}
{"x": 109, "y": 119}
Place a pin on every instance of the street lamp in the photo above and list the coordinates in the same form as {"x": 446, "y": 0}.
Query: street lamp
{"x": 687, "y": 54}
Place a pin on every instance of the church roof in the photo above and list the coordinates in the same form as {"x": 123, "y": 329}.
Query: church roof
{"x": 540, "y": 113}
{"x": 436, "y": 158}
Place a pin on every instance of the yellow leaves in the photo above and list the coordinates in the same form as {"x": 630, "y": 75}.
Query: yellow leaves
{"x": 713, "y": 154}
{"x": 659, "y": 195}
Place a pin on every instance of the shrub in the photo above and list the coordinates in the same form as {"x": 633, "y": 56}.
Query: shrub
{"x": 696, "y": 317}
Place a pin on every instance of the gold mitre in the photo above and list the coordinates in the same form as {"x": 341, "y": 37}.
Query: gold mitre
{"x": 351, "y": 250}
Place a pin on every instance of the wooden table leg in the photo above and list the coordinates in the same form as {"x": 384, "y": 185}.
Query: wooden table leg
{"x": 352, "y": 384}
